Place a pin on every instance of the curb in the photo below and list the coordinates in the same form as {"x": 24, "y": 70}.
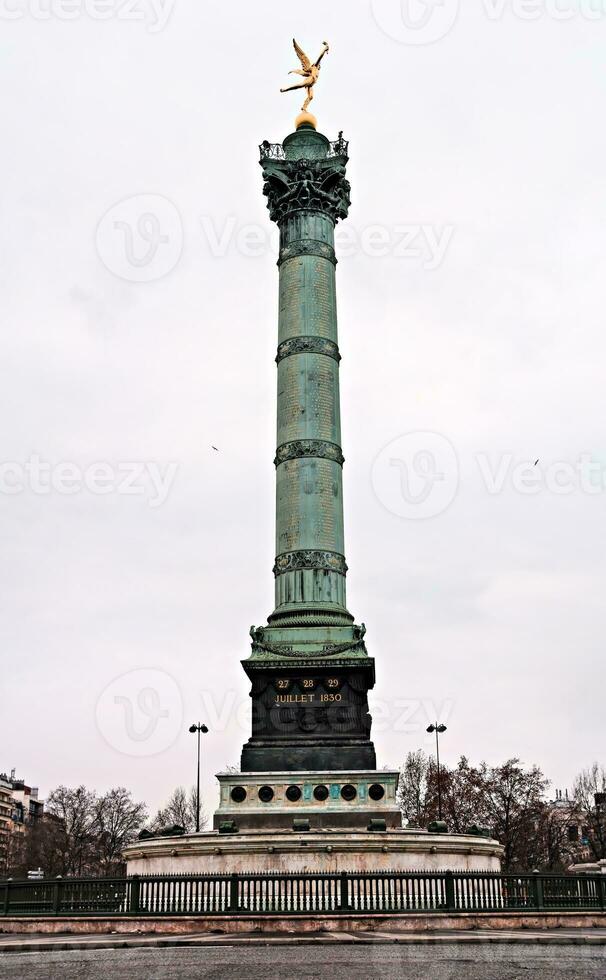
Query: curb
{"x": 366, "y": 939}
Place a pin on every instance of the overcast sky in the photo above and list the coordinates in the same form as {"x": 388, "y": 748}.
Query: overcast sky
{"x": 139, "y": 329}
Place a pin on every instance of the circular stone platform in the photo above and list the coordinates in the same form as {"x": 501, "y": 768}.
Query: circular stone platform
{"x": 323, "y": 851}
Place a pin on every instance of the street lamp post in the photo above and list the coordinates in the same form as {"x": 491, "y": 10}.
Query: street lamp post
{"x": 199, "y": 729}
{"x": 438, "y": 729}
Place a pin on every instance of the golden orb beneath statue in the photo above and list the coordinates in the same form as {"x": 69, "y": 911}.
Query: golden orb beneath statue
{"x": 306, "y": 119}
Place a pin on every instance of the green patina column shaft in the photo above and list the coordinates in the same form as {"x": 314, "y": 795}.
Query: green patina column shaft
{"x": 307, "y": 193}
{"x": 310, "y": 564}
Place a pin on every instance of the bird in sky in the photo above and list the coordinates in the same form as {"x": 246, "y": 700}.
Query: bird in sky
{"x": 537, "y": 462}
{"x": 215, "y": 449}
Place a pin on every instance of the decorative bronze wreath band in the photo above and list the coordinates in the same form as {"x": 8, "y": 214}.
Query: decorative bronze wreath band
{"x": 309, "y": 448}
{"x": 328, "y": 651}
{"x": 328, "y": 561}
{"x": 307, "y": 345}
{"x": 307, "y": 246}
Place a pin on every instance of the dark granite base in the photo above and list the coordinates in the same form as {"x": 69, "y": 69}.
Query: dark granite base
{"x": 302, "y": 755}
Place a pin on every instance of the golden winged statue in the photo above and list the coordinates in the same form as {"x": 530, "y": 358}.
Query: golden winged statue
{"x": 308, "y": 70}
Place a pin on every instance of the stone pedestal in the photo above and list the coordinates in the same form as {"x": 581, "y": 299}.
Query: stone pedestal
{"x": 323, "y": 821}
{"x": 323, "y": 851}
{"x": 321, "y": 801}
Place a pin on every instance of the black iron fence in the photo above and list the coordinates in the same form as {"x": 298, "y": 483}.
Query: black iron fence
{"x": 267, "y": 893}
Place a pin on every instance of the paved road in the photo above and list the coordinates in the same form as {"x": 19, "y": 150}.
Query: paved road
{"x": 357, "y": 961}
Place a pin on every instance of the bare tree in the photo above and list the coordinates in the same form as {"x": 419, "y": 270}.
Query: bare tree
{"x": 117, "y": 818}
{"x": 591, "y": 815}
{"x": 42, "y": 845}
{"x": 462, "y": 803}
{"x": 180, "y": 809}
{"x": 508, "y": 799}
{"x": 418, "y": 792}
{"x": 557, "y": 851}
{"x": 413, "y": 789}
{"x": 512, "y": 800}
{"x": 74, "y": 810}
{"x": 80, "y": 833}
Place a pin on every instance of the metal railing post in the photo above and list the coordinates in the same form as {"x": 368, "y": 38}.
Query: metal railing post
{"x": 57, "y": 895}
{"x": 135, "y": 895}
{"x": 344, "y": 892}
{"x": 539, "y": 902}
{"x": 7, "y": 901}
{"x": 602, "y": 890}
{"x": 233, "y": 893}
{"x": 449, "y": 890}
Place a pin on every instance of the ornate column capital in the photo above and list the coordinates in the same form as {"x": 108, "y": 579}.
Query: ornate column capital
{"x": 306, "y": 185}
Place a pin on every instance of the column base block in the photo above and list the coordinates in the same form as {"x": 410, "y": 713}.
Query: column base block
{"x": 299, "y": 755}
